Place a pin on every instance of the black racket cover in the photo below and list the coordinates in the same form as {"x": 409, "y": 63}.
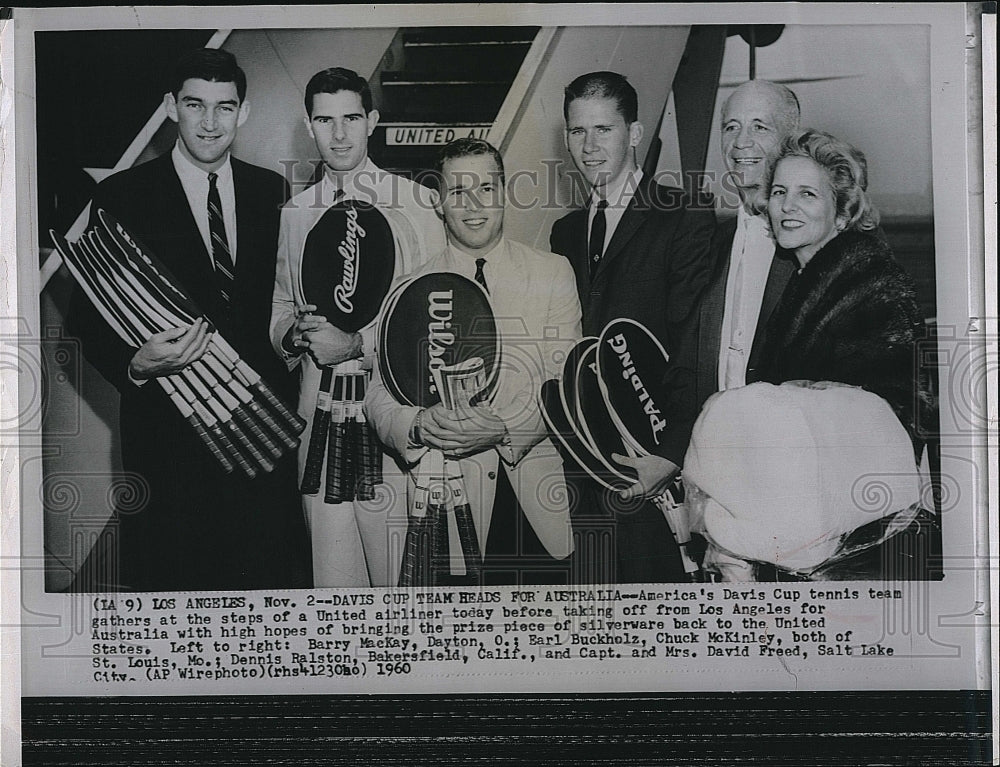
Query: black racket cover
{"x": 347, "y": 264}
{"x": 632, "y": 365}
{"x": 438, "y": 318}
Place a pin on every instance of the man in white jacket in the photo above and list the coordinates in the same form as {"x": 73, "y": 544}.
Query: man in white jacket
{"x": 349, "y": 540}
{"x": 513, "y": 474}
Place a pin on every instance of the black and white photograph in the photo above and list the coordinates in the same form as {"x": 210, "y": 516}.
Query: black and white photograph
{"x": 199, "y": 482}
{"x": 579, "y": 349}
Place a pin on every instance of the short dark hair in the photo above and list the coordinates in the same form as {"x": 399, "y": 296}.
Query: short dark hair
{"x": 608, "y": 85}
{"x": 335, "y": 80}
{"x": 211, "y": 64}
{"x": 847, "y": 169}
{"x": 466, "y": 147}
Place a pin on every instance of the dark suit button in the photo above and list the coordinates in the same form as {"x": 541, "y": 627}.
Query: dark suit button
{"x": 492, "y": 475}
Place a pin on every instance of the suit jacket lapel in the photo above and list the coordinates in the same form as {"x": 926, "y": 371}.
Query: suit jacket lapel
{"x": 711, "y": 313}
{"x": 630, "y": 222}
{"x": 195, "y": 269}
{"x": 245, "y": 216}
{"x": 576, "y": 229}
{"x": 783, "y": 266}
{"x": 200, "y": 262}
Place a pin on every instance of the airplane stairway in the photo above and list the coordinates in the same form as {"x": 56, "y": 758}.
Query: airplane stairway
{"x": 436, "y": 84}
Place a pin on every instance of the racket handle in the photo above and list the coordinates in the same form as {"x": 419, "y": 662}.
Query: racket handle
{"x": 227, "y": 445}
{"x": 439, "y": 561}
{"x": 210, "y": 443}
{"x": 250, "y": 425}
{"x": 293, "y": 419}
{"x": 470, "y": 544}
{"x": 277, "y": 430}
{"x": 370, "y": 456}
{"x": 348, "y": 460}
{"x": 337, "y": 479}
{"x": 245, "y": 444}
{"x": 412, "y": 571}
{"x": 314, "y": 457}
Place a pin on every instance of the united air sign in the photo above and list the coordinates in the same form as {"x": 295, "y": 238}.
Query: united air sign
{"x": 431, "y": 135}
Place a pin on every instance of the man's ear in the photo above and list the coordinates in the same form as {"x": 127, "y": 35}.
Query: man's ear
{"x": 436, "y": 202}
{"x": 309, "y": 127}
{"x": 170, "y": 105}
{"x": 373, "y": 118}
{"x": 635, "y": 134}
{"x": 244, "y": 113}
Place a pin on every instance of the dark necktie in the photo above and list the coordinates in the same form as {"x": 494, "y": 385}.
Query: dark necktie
{"x": 598, "y": 229}
{"x": 221, "y": 255}
{"x": 480, "y": 277}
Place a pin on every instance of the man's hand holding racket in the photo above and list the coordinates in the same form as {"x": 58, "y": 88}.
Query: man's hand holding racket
{"x": 328, "y": 344}
{"x": 464, "y": 431}
{"x": 170, "y": 351}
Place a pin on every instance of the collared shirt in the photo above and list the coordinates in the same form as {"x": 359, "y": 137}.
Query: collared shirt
{"x": 618, "y": 199}
{"x": 195, "y": 183}
{"x": 749, "y": 265}
{"x": 465, "y": 263}
{"x": 363, "y": 184}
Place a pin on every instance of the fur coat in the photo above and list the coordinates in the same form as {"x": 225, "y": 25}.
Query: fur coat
{"x": 851, "y": 315}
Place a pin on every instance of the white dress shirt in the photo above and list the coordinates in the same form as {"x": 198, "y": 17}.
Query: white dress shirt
{"x": 749, "y": 264}
{"x": 195, "y": 183}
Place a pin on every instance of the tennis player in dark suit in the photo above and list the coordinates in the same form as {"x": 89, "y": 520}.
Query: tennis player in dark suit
{"x": 187, "y": 524}
{"x": 639, "y": 250}
{"x": 750, "y": 276}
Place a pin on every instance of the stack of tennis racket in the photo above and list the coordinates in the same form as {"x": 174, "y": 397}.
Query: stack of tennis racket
{"x": 353, "y": 454}
{"x": 347, "y": 265}
{"x": 607, "y": 401}
{"x": 438, "y": 341}
{"x": 231, "y": 409}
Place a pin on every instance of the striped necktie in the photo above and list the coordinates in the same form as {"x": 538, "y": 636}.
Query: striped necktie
{"x": 221, "y": 256}
{"x": 480, "y": 277}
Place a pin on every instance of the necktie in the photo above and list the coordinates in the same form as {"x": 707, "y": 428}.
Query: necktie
{"x": 221, "y": 256}
{"x": 598, "y": 229}
{"x": 480, "y": 277}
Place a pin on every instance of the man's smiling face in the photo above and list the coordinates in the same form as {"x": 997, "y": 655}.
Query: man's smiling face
{"x": 207, "y": 114}
{"x": 600, "y": 141}
{"x": 752, "y": 131}
{"x": 341, "y": 128}
{"x": 472, "y": 202}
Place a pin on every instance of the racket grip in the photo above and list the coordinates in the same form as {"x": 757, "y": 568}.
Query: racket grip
{"x": 245, "y": 444}
{"x": 314, "y": 457}
{"x": 439, "y": 561}
{"x": 293, "y": 419}
{"x": 470, "y": 544}
{"x": 289, "y": 439}
{"x": 411, "y": 571}
{"x": 370, "y": 456}
{"x": 249, "y": 424}
{"x": 227, "y": 445}
{"x": 210, "y": 443}
{"x": 346, "y": 460}
{"x": 337, "y": 481}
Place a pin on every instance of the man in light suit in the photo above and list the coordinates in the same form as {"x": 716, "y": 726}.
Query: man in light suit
{"x": 512, "y": 472}
{"x": 639, "y": 250}
{"x": 350, "y": 543}
{"x": 192, "y": 526}
{"x": 749, "y": 277}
